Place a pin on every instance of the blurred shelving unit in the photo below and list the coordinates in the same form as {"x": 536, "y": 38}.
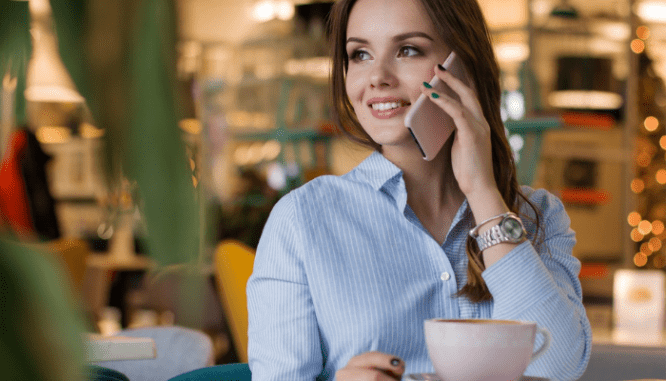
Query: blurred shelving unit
{"x": 582, "y": 153}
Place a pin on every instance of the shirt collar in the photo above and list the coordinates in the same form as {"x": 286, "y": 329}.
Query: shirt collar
{"x": 385, "y": 176}
{"x": 378, "y": 170}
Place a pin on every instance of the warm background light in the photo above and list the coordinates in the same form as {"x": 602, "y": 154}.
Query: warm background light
{"x": 643, "y": 159}
{"x": 637, "y": 46}
{"x": 661, "y": 176}
{"x": 634, "y": 218}
{"x": 640, "y": 259}
{"x": 636, "y": 236}
{"x": 654, "y": 244}
{"x": 651, "y": 123}
{"x": 657, "y": 227}
{"x": 53, "y": 134}
{"x": 637, "y": 185}
{"x": 643, "y": 32}
{"x": 645, "y": 227}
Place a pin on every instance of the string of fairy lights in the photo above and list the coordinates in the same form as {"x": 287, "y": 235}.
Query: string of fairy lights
{"x": 647, "y": 220}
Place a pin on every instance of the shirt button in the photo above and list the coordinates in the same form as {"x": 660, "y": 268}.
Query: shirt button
{"x": 445, "y": 276}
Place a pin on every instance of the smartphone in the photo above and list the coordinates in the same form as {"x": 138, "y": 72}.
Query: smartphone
{"x": 429, "y": 125}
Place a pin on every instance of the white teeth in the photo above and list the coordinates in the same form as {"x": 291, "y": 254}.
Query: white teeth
{"x": 385, "y": 106}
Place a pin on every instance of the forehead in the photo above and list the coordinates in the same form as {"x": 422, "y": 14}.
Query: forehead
{"x": 385, "y": 18}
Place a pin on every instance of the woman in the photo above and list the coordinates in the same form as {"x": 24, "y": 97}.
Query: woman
{"x": 348, "y": 267}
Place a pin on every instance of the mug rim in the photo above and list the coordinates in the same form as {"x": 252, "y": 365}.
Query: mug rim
{"x": 489, "y": 321}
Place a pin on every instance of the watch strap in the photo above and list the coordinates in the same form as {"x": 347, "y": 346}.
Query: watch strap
{"x": 495, "y": 235}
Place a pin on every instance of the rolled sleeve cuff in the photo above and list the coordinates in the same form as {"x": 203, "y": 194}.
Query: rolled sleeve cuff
{"x": 518, "y": 281}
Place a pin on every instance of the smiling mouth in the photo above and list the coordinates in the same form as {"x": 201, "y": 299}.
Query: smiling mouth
{"x": 387, "y": 106}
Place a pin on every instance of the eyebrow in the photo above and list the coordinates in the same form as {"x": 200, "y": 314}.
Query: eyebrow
{"x": 400, "y": 37}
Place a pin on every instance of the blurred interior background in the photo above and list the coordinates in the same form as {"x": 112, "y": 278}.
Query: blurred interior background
{"x": 584, "y": 105}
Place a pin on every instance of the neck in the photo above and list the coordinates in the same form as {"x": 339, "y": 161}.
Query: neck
{"x": 431, "y": 185}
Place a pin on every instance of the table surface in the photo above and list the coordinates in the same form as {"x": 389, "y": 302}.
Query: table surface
{"x": 614, "y": 337}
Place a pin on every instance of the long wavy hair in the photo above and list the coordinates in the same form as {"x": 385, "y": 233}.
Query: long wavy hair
{"x": 462, "y": 27}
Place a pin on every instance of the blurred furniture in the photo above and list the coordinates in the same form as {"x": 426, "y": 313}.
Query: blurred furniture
{"x": 532, "y": 133}
{"x": 115, "y": 348}
{"x": 72, "y": 254}
{"x": 614, "y": 363}
{"x": 233, "y": 263}
{"x": 179, "y": 350}
{"x": 99, "y": 270}
{"x": 226, "y": 372}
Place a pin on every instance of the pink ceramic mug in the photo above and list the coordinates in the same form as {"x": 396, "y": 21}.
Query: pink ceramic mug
{"x": 482, "y": 350}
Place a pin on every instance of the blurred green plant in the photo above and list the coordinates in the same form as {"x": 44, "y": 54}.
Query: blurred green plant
{"x": 15, "y": 50}
{"x": 122, "y": 58}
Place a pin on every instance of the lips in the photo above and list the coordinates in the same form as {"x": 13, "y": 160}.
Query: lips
{"x": 383, "y": 104}
{"x": 384, "y": 108}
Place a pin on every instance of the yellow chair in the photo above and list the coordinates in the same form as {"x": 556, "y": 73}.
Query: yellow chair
{"x": 233, "y": 267}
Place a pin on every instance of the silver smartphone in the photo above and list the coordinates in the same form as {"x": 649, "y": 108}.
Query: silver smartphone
{"x": 429, "y": 125}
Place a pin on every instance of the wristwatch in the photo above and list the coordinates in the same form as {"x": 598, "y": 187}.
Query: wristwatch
{"x": 510, "y": 229}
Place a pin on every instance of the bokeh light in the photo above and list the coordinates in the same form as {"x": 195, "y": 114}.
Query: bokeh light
{"x": 645, "y": 249}
{"x": 645, "y": 227}
{"x": 640, "y": 259}
{"x": 636, "y": 236}
{"x": 657, "y": 227}
{"x": 662, "y": 142}
{"x": 661, "y": 176}
{"x": 637, "y": 185}
{"x": 654, "y": 244}
{"x": 637, "y": 46}
{"x": 634, "y": 218}
{"x": 651, "y": 123}
{"x": 643, "y": 32}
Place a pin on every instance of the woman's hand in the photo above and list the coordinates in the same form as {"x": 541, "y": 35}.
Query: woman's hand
{"x": 372, "y": 366}
{"x": 471, "y": 153}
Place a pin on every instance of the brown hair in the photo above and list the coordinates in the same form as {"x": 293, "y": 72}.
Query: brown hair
{"x": 463, "y": 28}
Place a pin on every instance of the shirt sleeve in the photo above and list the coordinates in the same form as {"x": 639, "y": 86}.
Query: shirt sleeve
{"x": 283, "y": 335}
{"x": 541, "y": 284}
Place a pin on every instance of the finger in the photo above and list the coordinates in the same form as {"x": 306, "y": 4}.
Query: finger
{"x": 364, "y": 374}
{"x": 466, "y": 94}
{"x": 379, "y": 361}
{"x": 451, "y": 106}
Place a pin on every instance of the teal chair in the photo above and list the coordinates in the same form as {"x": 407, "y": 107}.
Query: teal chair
{"x": 226, "y": 372}
{"x": 100, "y": 373}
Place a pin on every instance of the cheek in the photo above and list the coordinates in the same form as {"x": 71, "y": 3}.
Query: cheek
{"x": 415, "y": 78}
{"x": 354, "y": 84}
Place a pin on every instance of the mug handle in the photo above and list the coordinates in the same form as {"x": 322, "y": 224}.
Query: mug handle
{"x": 544, "y": 345}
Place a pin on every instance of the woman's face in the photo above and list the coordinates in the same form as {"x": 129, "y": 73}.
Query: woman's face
{"x": 392, "y": 48}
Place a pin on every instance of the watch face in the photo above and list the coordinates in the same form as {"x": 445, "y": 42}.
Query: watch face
{"x": 512, "y": 228}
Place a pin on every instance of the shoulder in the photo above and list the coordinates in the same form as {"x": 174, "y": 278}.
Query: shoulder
{"x": 328, "y": 188}
{"x": 550, "y": 210}
{"x": 543, "y": 200}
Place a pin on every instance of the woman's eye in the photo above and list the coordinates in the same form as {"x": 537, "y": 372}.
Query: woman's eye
{"x": 408, "y": 51}
{"x": 359, "y": 55}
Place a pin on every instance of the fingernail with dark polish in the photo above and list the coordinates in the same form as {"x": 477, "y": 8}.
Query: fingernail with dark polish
{"x": 442, "y": 68}
{"x": 395, "y": 362}
{"x": 435, "y": 95}
{"x": 427, "y": 85}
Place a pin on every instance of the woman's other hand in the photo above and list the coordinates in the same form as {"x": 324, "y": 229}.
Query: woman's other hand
{"x": 372, "y": 366}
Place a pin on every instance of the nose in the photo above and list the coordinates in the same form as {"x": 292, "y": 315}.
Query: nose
{"x": 382, "y": 75}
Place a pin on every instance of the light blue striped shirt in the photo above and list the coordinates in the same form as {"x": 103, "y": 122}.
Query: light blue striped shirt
{"x": 345, "y": 267}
